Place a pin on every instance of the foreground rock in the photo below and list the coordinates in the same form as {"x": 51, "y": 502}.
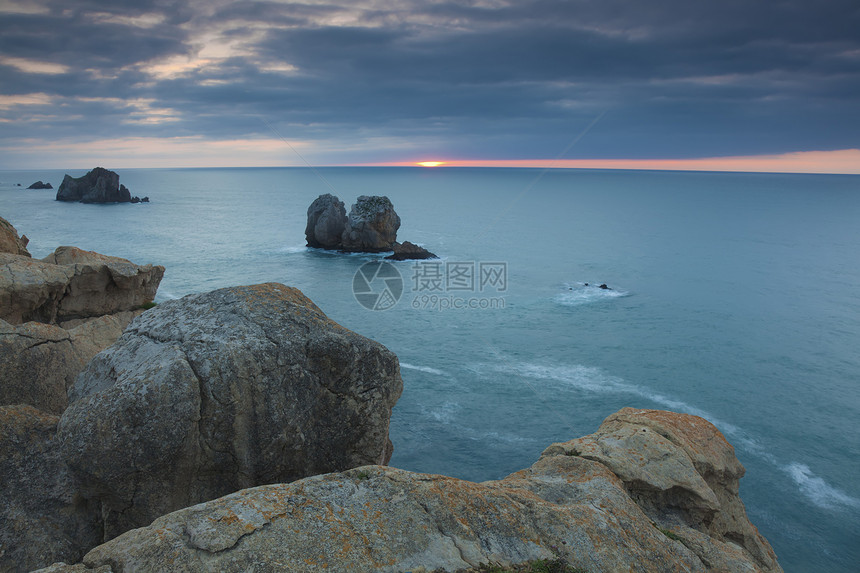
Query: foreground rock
{"x": 221, "y": 391}
{"x": 326, "y": 222}
{"x": 10, "y": 242}
{"x": 72, "y": 283}
{"x": 685, "y": 477}
{"x": 372, "y": 225}
{"x": 42, "y": 519}
{"x": 566, "y": 505}
{"x": 407, "y": 251}
{"x": 39, "y": 362}
{"x": 40, "y": 185}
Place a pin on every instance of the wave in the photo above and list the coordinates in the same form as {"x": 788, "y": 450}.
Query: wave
{"x": 596, "y": 381}
{"x": 165, "y": 295}
{"x": 577, "y": 294}
{"x": 443, "y": 413}
{"x": 292, "y": 249}
{"x": 426, "y": 369}
{"x": 817, "y": 490}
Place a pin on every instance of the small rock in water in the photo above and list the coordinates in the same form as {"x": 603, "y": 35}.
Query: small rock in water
{"x": 406, "y": 251}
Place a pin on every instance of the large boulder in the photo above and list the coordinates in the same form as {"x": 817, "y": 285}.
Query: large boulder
{"x": 98, "y": 186}
{"x": 221, "y": 391}
{"x": 326, "y": 222}
{"x": 372, "y": 225}
{"x": 380, "y": 519}
{"x": 42, "y": 519}
{"x": 39, "y": 362}
{"x": 72, "y": 283}
{"x": 10, "y": 242}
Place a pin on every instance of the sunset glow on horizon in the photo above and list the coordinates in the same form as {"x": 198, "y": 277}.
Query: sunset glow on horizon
{"x": 844, "y": 161}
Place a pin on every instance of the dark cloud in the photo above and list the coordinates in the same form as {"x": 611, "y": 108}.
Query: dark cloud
{"x": 476, "y": 79}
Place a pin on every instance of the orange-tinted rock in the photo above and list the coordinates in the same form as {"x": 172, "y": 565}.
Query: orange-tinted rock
{"x": 378, "y": 519}
{"x": 10, "y": 242}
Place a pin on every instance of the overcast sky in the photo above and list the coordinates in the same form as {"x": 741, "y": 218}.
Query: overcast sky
{"x": 199, "y": 82}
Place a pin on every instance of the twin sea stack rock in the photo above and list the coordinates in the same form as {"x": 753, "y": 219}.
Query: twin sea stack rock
{"x": 371, "y": 227}
{"x": 98, "y": 186}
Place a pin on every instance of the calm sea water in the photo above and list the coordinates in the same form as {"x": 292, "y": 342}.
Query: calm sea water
{"x": 734, "y": 296}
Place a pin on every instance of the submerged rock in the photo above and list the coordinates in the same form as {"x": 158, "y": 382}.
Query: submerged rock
{"x": 40, "y": 185}
{"x": 72, "y": 283}
{"x": 10, "y": 242}
{"x": 326, "y": 222}
{"x": 372, "y": 225}
{"x": 567, "y": 505}
{"x": 406, "y": 251}
{"x": 221, "y": 391}
{"x": 98, "y": 186}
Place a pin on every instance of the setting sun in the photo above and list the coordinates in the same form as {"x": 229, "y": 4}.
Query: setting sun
{"x": 430, "y": 163}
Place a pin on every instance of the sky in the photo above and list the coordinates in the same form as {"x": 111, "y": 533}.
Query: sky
{"x": 667, "y": 84}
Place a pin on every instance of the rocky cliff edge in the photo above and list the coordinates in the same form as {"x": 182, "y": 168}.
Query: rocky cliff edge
{"x": 649, "y": 491}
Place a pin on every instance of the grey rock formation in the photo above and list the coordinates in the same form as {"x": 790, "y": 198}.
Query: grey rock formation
{"x": 71, "y": 283}
{"x": 40, "y": 185}
{"x": 372, "y": 225}
{"x": 42, "y": 519}
{"x": 406, "y": 251}
{"x": 387, "y": 520}
{"x": 10, "y": 242}
{"x": 39, "y": 362}
{"x": 684, "y": 476}
{"x": 326, "y": 222}
{"x": 226, "y": 390}
{"x": 98, "y": 186}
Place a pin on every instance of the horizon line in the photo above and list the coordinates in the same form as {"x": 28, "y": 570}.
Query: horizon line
{"x": 837, "y": 162}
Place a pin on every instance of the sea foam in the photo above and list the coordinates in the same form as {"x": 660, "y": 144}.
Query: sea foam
{"x": 426, "y": 369}
{"x": 577, "y": 294}
{"x": 594, "y": 380}
{"x": 817, "y": 490}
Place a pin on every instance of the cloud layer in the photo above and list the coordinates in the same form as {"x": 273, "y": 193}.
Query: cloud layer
{"x": 374, "y": 81}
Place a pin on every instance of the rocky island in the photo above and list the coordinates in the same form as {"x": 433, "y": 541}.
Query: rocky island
{"x": 244, "y": 430}
{"x": 371, "y": 227}
{"x": 98, "y": 186}
{"x": 40, "y": 185}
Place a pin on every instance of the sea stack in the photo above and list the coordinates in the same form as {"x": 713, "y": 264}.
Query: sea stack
{"x": 326, "y": 222}
{"x": 98, "y": 186}
{"x": 372, "y": 225}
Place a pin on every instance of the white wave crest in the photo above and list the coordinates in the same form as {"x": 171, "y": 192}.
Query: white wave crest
{"x": 426, "y": 369}
{"x": 817, "y": 490}
{"x": 577, "y": 294}
{"x": 293, "y": 249}
{"x": 596, "y": 381}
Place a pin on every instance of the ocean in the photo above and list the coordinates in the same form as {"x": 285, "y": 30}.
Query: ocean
{"x": 735, "y": 297}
